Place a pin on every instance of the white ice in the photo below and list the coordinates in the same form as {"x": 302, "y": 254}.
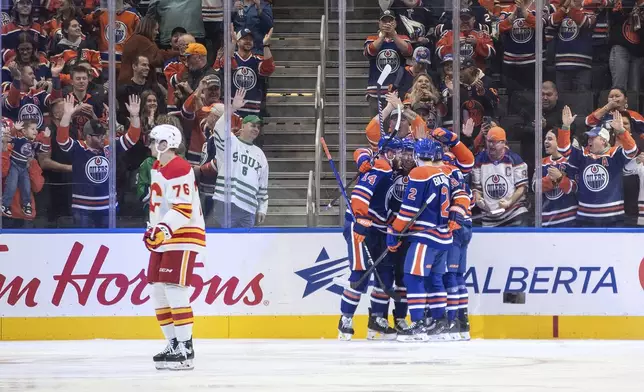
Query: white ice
{"x": 327, "y": 365}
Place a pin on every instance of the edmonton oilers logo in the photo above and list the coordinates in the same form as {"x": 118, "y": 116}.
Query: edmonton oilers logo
{"x": 6, "y": 19}
{"x": 496, "y": 187}
{"x": 27, "y": 150}
{"x": 120, "y": 33}
{"x": 629, "y": 32}
{"x": 245, "y": 78}
{"x": 521, "y": 33}
{"x": 97, "y": 169}
{"x": 399, "y": 187}
{"x": 596, "y": 177}
{"x": 568, "y": 30}
{"x": 388, "y": 56}
{"x": 31, "y": 112}
{"x": 467, "y": 50}
{"x": 554, "y": 194}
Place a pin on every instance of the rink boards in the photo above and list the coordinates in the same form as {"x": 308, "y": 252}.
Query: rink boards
{"x": 277, "y": 284}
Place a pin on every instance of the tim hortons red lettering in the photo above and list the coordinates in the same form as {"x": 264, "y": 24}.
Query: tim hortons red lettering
{"x": 67, "y": 277}
{"x": 228, "y": 288}
{"x": 251, "y": 295}
{"x": 15, "y": 289}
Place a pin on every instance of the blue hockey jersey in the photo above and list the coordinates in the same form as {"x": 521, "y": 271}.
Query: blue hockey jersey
{"x": 368, "y": 198}
{"x": 91, "y": 168}
{"x": 560, "y": 199}
{"x": 574, "y": 38}
{"x": 388, "y": 53}
{"x": 32, "y": 105}
{"x": 427, "y": 184}
{"x": 601, "y": 192}
{"x": 249, "y": 74}
{"x": 518, "y": 37}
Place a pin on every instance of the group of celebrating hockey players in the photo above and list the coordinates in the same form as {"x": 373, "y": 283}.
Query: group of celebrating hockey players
{"x": 413, "y": 202}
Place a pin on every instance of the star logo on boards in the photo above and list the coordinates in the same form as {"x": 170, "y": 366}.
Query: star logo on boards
{"x": 321, "y": 274}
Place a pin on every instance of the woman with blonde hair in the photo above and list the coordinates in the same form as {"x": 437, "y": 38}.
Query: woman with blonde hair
{"x": 426, "y": 100}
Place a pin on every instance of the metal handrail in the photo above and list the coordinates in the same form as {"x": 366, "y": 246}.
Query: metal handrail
{"x": 320, "y": 97}
{"x": 311, "y": 220}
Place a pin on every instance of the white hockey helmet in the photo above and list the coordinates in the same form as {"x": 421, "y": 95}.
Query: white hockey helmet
{"x": 168, "y": 133}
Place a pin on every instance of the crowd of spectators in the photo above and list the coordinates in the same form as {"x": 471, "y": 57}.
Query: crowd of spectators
{"x": 169, "y": 54}
{"x": 592, "y": 67}
{"x": 169, "y": 67}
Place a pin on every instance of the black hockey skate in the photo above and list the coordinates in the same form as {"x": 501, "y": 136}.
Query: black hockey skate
{"x": 436, "y": 329}
{"x": 182, "y": 357}
{"x": 160, "y": 360}
{"x": 453, "y": 330}
{"x": 465, "y": 328}
{"x": 415, "y": 332}
{"x": 345, "y": 328}
{"x": 379, "y": 329}
{"x": 401, "y": 324}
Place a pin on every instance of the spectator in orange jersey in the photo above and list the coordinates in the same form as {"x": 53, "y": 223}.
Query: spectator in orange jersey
{"x": 126, "y": 21}
{"x": 175, "y": 67}
{"x": 474, "y": 44}
{"x": 74, "y": 45}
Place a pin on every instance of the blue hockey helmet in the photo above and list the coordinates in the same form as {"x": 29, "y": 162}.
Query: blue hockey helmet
{"x": 428, "y": 149}
{"x": 385, "y": 144}
{"x": 408, "y": 144}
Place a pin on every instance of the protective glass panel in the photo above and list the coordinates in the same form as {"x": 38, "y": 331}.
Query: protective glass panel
{"x": 59, "y": 167}
{"x": 498, "y": 63}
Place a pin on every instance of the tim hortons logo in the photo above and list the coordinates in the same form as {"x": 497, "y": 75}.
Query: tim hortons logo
{"x": 112, "y": 288}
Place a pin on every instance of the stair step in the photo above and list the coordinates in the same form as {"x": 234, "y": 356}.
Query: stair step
{"x": 309, "y": 120}
{"x": 304, "y": 109}
{"x": 311, "y": 90}
{"x": 308, "y": 99}
{"x": 330, "y": 64}
{"x": 312, "y": 71}
{"x": 281, "y": 13}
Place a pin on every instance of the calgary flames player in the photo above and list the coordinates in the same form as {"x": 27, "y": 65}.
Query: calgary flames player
{"x": 176, "y": 237}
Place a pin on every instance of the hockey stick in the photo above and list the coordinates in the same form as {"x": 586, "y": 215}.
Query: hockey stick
{"x": 373, "y": 159}
{"x": 386, "y": 252}
{"x": 390, "y": 293}
{"x": 383, "y": 76}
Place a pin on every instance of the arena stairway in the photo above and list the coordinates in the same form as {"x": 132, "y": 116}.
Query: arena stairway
{"x": 289, "y": 128}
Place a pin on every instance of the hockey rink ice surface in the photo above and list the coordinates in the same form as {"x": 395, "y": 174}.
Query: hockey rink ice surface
{"x": 327, "y": 365}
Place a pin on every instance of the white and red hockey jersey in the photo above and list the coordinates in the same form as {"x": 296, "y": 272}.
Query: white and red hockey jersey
{"x": 174, "y": 203}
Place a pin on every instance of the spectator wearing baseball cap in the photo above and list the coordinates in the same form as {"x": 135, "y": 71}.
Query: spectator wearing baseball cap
{"x": 386, "y": 48}
{"x": 256, "y": 16}
{"x": 249, "y": 177}
{"x": 500, "y": 182}
{"x": 142, "y": 44}
{"x": 209, "y": 92}
{"x": 197, "y": 65}
{"x": 249, "y": 71}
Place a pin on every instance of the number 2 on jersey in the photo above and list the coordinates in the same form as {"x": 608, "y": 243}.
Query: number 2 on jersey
{"x": 445, "y": 203}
